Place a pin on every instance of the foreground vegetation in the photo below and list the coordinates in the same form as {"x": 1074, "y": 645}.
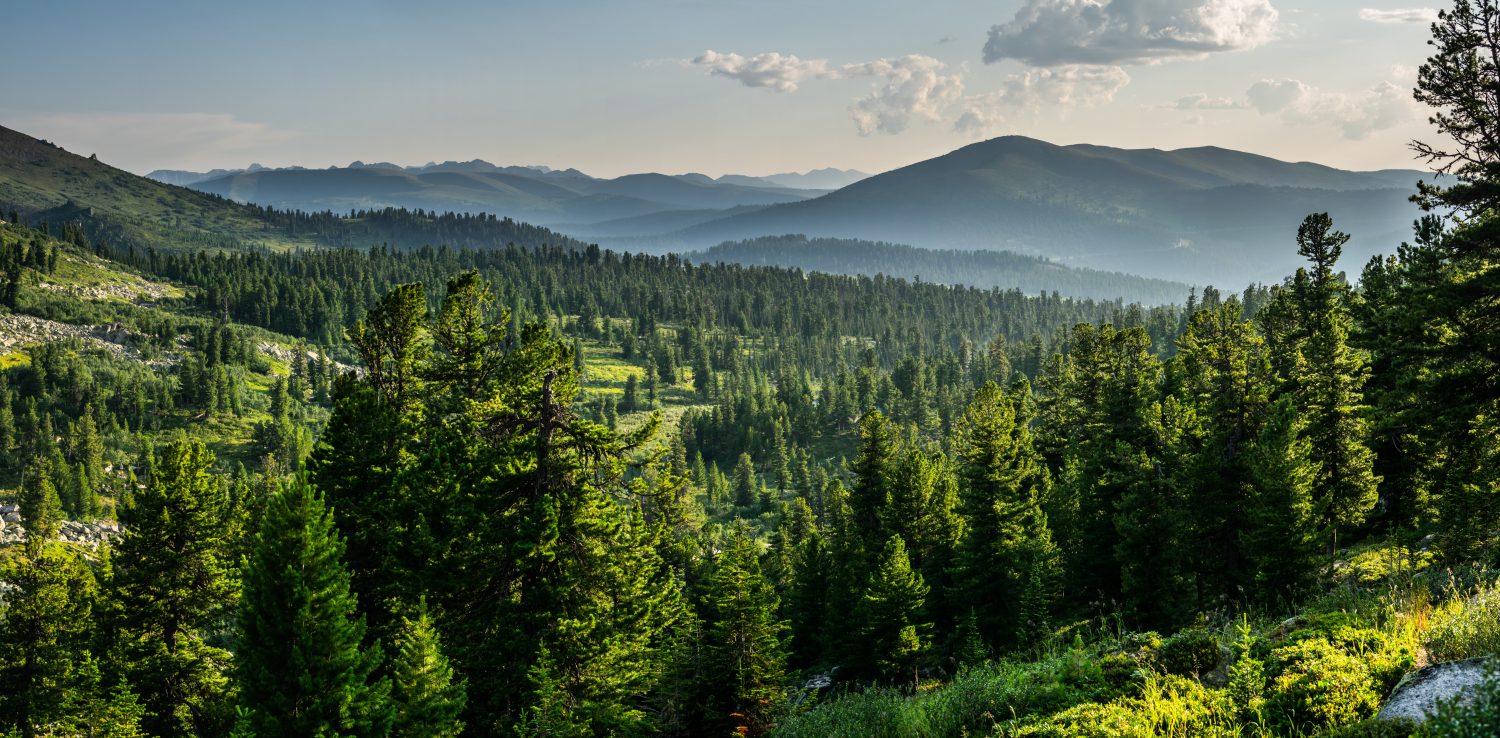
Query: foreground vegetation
{"x": 564, "y": 492}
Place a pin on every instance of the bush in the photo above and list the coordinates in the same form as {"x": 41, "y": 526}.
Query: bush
{"x": 1374, "y": 728}
{"x": 1480, "y": 718}
{"x": 1466, "y": 627}
{"x": 1169, "y": 707}
{"x": 1316, "y": 686}
{"x": 979, "y": 698}
{"x": 873, "y": 713}
{"x": 1387, "y": 656}
{"x": 1190, "y": 653}
{"x": 974, "y": 702}
{"x": 1130, "y": 664}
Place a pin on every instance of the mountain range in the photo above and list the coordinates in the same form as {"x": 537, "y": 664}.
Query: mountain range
{"x": 1202, "y": 215}
{"x": 49, "y": 185}
{"x": 1199, "y": 215}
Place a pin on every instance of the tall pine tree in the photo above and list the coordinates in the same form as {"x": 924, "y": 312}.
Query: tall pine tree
{"x": 170, "y": 592}
{"x": 300, "y": 665}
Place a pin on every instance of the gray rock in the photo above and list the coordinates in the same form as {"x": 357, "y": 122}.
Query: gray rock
{"x": 14, "y": 517}
{"x": 1419, "y": 692}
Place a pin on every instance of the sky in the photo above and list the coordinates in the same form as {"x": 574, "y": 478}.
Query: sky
{"x": 713, "y": 86}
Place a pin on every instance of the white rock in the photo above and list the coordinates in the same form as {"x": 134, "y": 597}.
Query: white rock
{"x": 1419, "y": 692}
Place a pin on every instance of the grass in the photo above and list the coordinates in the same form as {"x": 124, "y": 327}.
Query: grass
{"x": 1467, "y": 625}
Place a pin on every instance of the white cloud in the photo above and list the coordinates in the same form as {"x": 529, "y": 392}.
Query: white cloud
{"x": 1059, "y": 87}
{"x": 1201, "y": 101}
{"x": 1399, "y": 15}
{"x": 1357, "y": 115}
{"x": 911, "y": 86}
{"x": 140, "y": 141}
{"x": 771, "y": 71}
{"x": 1055, "y": 32}
{"x": 919, "y": 87}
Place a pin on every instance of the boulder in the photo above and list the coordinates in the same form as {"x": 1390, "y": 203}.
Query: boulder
{"x": 1419, "y": 692}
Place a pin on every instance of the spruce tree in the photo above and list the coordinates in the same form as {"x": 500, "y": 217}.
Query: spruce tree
{"x": 1006, "y": 540}
{"x": 1281, "y": 540}
{"x": 1331, "y": 385}
{"x": 169, "y": 594}
{"x": 1226, "y": 383}
{"x": 746, "y": 487}
{"x": 45, "y": 629}
{"x": 41, "y": 509}
{"x": 1447, "y": 333}
{"x": 872, "y": 471}
{"x": 892, "y": 627}
{"x": 744, "y": 641}
{"x": 426, "y": 696}
{"x": 1152, "y": 522}
{"x": 300, "y": 664}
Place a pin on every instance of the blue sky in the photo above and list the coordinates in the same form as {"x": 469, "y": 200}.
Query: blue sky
{"x": 617, "y": 86}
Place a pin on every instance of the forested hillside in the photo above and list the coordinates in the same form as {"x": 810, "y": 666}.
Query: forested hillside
{"x": 1004, "y": 269}
{"x": 447, "y": 486}
{"x": 50, "y": 185}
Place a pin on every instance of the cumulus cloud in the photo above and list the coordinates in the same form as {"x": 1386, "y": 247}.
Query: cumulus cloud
{"x": 910, "y": 86}
{"x": 771, "y": 71}
{"x": 1201, "y": 101}
{"x": 1056, "y": 32}
{"x": 1062, "y": 87}
{"x": 1357, "y": 115}
{"x": 907, "y": 87}
{"x": 1399, "y": 15}
{"x": 139, "y": 141}
{"x": 919, "y": 87}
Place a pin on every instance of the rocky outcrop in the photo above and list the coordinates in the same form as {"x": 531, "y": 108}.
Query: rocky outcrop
{"x": 69, "y": 531}
{"x": 1419, "y": 692}
{"x": 17, "y": 331}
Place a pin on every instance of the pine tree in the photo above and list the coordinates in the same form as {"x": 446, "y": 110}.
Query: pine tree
{"x": 746, "y": 487}
{"x": 872, "y": 470}
{"x": 893, "y": 630}
{"x": 630, "y": 401}
{"x": 300, "y": 665}
{"x": 1446, "y": 333}
{"x": 1227, "y": 383}
{"x": 1281, "y": 538}
{"x": 41, "y": 509}
{"x": 1332, "y": 384}
{"x": 169, "y": 593}
{"x": 88, "y": 451}
{"x": 744, "y": 640}
{"x": 100, "y": 710}
{"x": 1151, "y": 520}
{"x": 426, "y": 696}
{"x": 44, "y": 632}
{"x": 1006, "y": 541}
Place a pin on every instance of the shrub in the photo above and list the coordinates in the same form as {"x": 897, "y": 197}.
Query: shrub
{"x": 1387, "y": 656}
{"x": 979, "y": 698}
{"x": 1466, "y": 627}
{"x": 1190, "y": 652}
{"x": 873, "y": 713}
{"x": 1316, "y": 685}
{"x": 1169, "y": 707}
{"x": 973, "y": 703}
{"x": 1130, "y": 664}
{"x": 1374, "y": 728}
